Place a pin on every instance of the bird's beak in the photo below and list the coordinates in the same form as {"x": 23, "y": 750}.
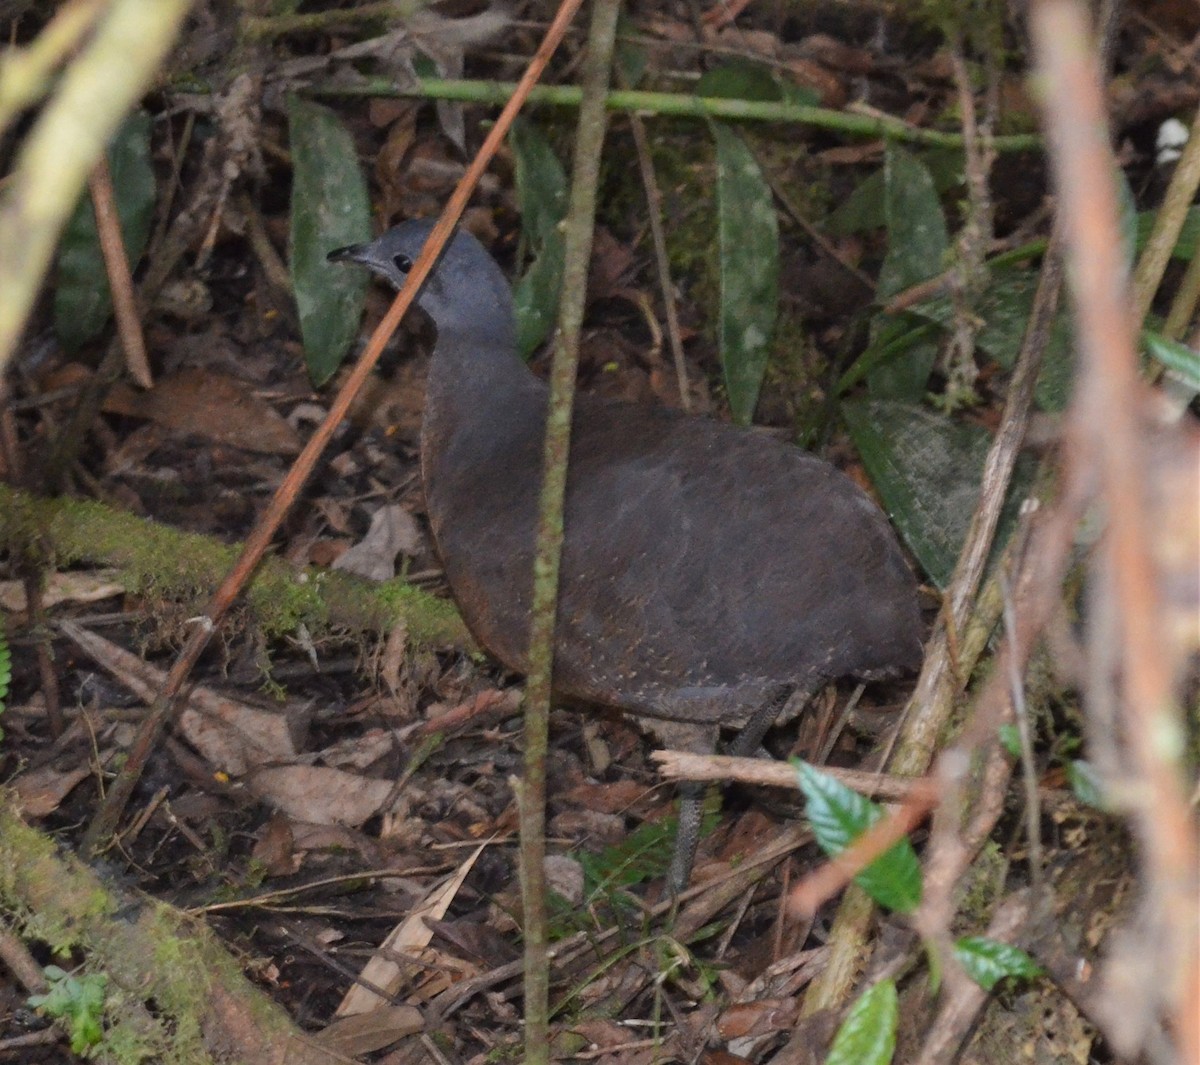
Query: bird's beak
{"x": 352, "y": 253}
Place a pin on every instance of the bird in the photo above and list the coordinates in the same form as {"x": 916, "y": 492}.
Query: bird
{"x": 711, "y": 575}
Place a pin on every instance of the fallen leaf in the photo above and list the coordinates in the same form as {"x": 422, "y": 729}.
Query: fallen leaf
{"x": 212, "y": 405}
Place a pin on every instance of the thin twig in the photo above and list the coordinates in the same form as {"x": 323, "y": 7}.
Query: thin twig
{"x": 662, "y": 263}
{"x": 120, "y": 279}
{"x": 161, "y": 712}
{"x": 531, "y": 795}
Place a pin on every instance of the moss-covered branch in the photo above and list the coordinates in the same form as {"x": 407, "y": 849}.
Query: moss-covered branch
{"x": 204, "y": 1008}
{"x": 162, "y": 563}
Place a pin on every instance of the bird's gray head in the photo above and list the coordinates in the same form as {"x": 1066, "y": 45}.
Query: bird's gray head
{"x": 466, "y": 288}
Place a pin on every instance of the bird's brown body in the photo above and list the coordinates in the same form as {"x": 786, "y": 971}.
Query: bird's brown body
{"x": 705, "y": 570}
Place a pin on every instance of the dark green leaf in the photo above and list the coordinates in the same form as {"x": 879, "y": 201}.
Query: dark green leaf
{"x": 1004, "y": 309}
{"x": 1189, "y": 235}
{"x": 631, "y": 57}
{"x": 902, "y": 358}
{"x": 863, "y": 210}
{"x": 330, "y": 209}
{"x": 917, "y": 239}
{"x": 927, "y": 471}
{"x": 987, "y": 962}
{"x": 838, "y": 816}
{"x": 542, "y": 196}
{"x": 740, "y": 79}
{"x": 82, "y": 298}
{"x": 868, "y": 1034}
{"x": 749, "y": 269}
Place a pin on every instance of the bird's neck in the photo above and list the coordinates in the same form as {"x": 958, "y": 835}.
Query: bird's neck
{"x": 478, "y": 384}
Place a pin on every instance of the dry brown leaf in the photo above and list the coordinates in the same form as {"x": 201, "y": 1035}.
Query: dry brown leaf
{"x": 368, "y": 1032}
{"x": 393, "y": 532}
{"x": 319, "y": 794}
{"x": 40, "y": 791}
{"x": 231, "y": 736}
{"x": 212, "y": 405}
{"x": 63, "y": 588}
{"x": 411, "y": 936}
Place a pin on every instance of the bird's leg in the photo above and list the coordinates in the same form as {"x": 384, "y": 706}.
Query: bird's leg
{"x": 750, "y": 735}
{"x": 691, "y": 794}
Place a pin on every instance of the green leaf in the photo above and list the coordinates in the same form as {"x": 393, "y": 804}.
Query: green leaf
{"x": 1004, "y": 309}
{"x": 1010, "y": 739}
{"x": 927, "y": 471}
{"x": 868, "y": 1034}
{"x": 863, "y": 210}
{"x": 987, "y": 961}
{"x": 76, "y": 1001}
{"x": 749, "y": 268}
{"x": 901, "y": 356}
{"x": 1085, "y": 783}
{"x": 740, "y": 79}
{"x": 838, "y": 816}
{"x": 631, "y": 58}
{"x": 917, "y": 248}
{"x": 5, "y": 668}
{"x": 1127, "y": 204}
{"x": 542, "y": 196}
{"x": 1189, "y": 235}
{"x": 330, "y": 208}
{"x": 82, "y": 298}
{"x": 917, "y": 238}
{"x": 1180, "y": 360}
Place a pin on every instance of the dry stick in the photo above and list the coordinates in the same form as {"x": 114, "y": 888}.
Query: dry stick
{"x": 120, "y": 280}
{"x": 1167, "y": 225}
{"x": 531, "y": 795}
{"x": 1187, "y": 297}
{"x": 1105, "y": 435}
{"x": 763, "y": 772}
{"x": 962, "y": 1003}
{"x": 661, "y": 262}
{"x": 932, "y": 701}
{"x": 61, "y": 148}
{"x": 109, "y": 813}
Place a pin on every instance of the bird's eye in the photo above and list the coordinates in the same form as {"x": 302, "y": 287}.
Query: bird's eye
{"x": 403, "y": 263}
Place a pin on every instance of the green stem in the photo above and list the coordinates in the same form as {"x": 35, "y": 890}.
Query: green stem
{"x": 677, "y": 104}
{"x": 585, "y": 178}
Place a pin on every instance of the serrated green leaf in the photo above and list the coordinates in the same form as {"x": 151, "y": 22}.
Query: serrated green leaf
{"x": 749, "y": 268}
{"x": 987, "y": 961}
{"x": 868, "y": 1034}
{"x": 926, "y": 469}
{"x": 82, "y": 298}
{"x": 330, "y": 209}
{"x": 838, "y": 816}
{"x": 1086, "y": 784}
{"x": 542, "y": 198}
